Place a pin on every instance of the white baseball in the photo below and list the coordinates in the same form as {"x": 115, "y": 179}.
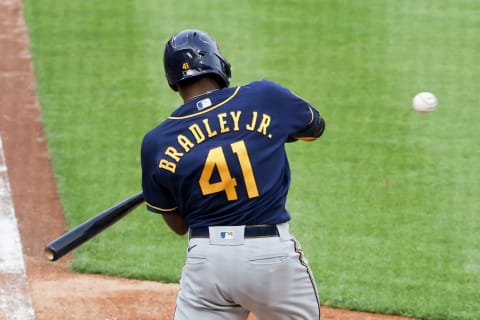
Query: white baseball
{"x": 425, "y": 102}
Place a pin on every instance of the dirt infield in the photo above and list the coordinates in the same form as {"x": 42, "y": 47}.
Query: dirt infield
{"x": 57, "y": 292}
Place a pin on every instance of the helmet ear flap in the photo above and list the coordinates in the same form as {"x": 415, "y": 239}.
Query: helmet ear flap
{"x": 226, "y": 67}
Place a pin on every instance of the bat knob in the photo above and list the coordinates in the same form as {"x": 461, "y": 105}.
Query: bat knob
{"x": 49, "y": 254}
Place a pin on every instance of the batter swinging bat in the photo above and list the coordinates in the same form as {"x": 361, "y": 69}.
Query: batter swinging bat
{"x": 90, "y": 228}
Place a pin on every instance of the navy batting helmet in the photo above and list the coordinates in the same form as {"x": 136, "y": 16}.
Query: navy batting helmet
{"x": 192, "y": 53}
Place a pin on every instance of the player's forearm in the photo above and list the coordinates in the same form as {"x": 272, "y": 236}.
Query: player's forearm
{"x": 176, "y": 223}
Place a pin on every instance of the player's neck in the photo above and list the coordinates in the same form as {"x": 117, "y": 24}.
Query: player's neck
{"x": 198, "y": 88}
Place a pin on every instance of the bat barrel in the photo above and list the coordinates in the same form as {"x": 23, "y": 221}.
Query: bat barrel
{"x": 90, "y": 228}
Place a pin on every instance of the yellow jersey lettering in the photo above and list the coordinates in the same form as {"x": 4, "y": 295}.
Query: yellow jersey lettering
{"x": 173, "y": 153}
{"x": 197, "y": 133}
{"x": 264, "y": 123}
{"x": 223, "y": 122}
{"x": 251, "y": 126}
{"x": 236, "y": 119}
{"x": 184, "y": 142}
{"x": 167, "y": 165}
{"x": 210, "y": 132}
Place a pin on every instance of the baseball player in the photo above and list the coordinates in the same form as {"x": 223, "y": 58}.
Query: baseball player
{"x": 217, "y": 168}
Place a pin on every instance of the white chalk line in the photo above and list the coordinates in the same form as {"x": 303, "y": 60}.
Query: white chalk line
{"x": 15, "y": 300}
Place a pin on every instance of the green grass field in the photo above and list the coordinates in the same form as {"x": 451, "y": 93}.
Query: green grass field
{"x": 386, "y": 203}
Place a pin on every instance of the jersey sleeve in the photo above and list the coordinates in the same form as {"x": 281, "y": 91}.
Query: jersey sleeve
{"x": 157, "y": 196}
{"x": 300, "y": 120}
{"x": 312, "y": 131}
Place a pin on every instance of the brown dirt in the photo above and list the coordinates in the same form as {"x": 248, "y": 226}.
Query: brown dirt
{"x": 57, "y": 292}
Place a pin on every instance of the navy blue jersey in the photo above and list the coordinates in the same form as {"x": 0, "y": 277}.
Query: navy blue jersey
{"x": 220, "y": 158}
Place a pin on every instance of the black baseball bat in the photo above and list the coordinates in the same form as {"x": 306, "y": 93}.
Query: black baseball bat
{"x": 90, "y": 228}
